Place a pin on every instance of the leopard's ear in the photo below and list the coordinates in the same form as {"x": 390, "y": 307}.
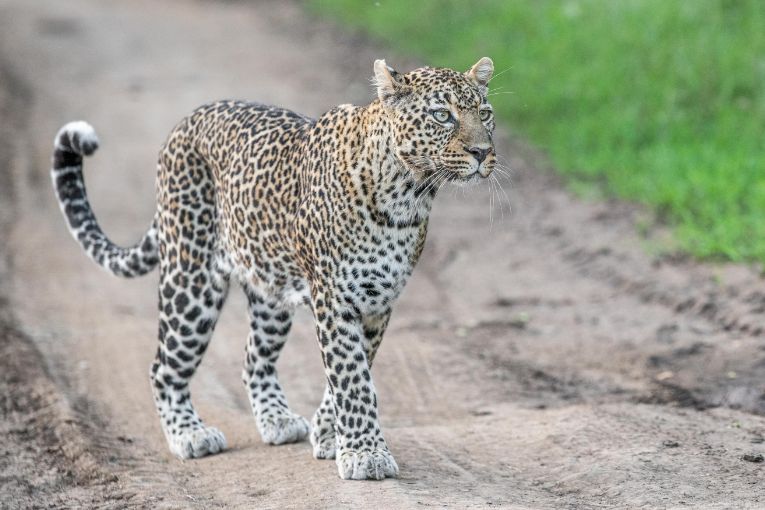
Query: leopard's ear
{"x": 388, "y": 83}
{"x": 481, "y": 72}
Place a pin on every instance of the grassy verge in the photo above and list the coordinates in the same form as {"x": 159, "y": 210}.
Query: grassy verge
{"x": 658, "y": 101}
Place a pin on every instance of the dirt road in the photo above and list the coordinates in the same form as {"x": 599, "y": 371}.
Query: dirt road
{"x": 544, "y": 359}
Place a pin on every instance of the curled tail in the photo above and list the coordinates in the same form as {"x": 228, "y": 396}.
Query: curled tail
{"x": 73, "y": 141}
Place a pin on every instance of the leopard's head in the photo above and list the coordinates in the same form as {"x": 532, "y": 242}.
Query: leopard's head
{"x": 441, "y": 120}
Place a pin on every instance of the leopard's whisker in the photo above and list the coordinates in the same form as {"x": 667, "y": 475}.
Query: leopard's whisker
{"x": 507, "y": 198}
{"x": 423, "y": 195}
{"x": 491, "y": 204}
{"x": 500, "y": 73}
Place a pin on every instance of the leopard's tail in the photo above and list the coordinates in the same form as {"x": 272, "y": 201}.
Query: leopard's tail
{"x": 73, "y": 141}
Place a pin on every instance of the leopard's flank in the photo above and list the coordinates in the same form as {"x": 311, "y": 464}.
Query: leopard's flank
{"x": 330, "y": 213}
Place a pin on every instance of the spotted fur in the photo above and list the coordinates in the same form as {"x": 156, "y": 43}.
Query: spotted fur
{"x": 331, "y": 213}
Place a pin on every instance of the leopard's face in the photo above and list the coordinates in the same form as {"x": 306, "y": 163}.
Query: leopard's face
{"x": 442, "y": 121}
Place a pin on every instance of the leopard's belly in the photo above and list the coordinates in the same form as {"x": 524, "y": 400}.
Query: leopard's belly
{"x": 278, "y": 279}
{"x": 369, "y": 276}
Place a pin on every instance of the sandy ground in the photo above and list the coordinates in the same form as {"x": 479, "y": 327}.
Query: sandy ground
{"x": 538, "y": 359}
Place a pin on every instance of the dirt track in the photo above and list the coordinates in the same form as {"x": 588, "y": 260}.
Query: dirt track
{"x": 543, "y": 360}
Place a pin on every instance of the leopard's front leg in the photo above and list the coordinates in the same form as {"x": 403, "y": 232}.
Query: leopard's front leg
{"x": 323, "y": 423}
{"x": 361, "y": 452}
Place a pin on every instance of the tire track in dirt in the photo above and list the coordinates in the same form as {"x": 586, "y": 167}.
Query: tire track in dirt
{"x": 45, "y": 459}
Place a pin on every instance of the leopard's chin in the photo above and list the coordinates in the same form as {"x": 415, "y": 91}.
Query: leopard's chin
{"x": 462, "y": 179}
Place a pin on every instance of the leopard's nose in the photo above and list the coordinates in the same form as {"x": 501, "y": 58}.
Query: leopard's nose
{"x": 479, "y": 153}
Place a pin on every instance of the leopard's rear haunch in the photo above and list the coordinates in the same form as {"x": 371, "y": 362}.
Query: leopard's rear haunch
{"x": 331, "y": 213}
{"x": 73, "y": 141}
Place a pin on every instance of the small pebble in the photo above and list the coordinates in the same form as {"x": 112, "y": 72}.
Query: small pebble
{"x": 520, "y": 321}
{"x": 753, "y": 457}
{"x": 663, "y": 376}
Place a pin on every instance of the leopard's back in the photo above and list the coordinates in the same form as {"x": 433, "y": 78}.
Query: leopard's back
{"x": 247, "y": 159}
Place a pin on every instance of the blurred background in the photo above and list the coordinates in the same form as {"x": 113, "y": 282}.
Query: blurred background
{"x": 660, "y": 102}
{"x": 589, "y": 335}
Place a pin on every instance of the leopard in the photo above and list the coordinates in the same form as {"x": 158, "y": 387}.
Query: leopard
{"x": 329, "y": 213}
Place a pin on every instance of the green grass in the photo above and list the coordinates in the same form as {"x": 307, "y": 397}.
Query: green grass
{"x": 658, "y": 101}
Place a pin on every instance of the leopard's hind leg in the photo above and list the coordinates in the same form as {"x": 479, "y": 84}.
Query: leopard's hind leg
{"x": 192, "y": 288}
{"x": 269, "y": 326}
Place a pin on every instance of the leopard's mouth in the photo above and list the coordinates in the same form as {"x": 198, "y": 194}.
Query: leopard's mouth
{"x": 460, "y": 178}
{"x": 462, "y": 172}
{"x": 437, "y": 174}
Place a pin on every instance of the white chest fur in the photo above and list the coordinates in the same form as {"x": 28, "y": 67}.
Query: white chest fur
{"x": 376, "y": 271}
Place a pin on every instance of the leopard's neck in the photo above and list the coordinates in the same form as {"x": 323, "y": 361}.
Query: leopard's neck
{"x": 388, "y": 189}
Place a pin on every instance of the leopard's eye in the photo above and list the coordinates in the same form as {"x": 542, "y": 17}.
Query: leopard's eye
{"x": 484, "y": 115}
{"x": 442, "y": 115}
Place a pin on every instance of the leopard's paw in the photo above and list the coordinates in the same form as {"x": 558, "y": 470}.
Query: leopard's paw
{"x": 283, "y": 429}
{"x": 366, "y": 464}
{"x": 324, "y": 442}
{"x": 198, "y": 442}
